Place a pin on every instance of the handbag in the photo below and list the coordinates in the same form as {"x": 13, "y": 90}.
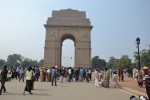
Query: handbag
{"x": 33, "y": 79}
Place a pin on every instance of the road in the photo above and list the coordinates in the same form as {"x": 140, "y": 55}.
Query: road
{"x": 64, "y": 91}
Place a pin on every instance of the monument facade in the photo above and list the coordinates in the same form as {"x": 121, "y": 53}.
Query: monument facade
{"x": 68, "y": 24}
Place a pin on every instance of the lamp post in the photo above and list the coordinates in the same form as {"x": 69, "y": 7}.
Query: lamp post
{"x": 67, "y": 61}
{"x": 138, "y": 43}
{"x": 70, "y": 61}
{"x": 64, "y": 61}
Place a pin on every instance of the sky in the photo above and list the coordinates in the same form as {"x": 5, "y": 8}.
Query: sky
{"x": 116, "y": 25}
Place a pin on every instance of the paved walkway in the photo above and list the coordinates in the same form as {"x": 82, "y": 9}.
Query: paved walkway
{"x": 64, "y": 91}
{"x": 130, "y": 85}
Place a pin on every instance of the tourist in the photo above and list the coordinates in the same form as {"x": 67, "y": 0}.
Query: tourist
{"x": 62, "y": 71}
{"x": 70, "y": 74}
{"x": 147, "y": 83}
{"x": 81, "y": 72}
{"x": 115, "y": 79}
{"x": 37, "y": 73}
{"x": 17, "y": 72}
{"x": 29, "y": 74}
{"x": 48, "y": 75}
{"x": 3, "y": 75}
{"x": 90, "y": 74}
{"x": 96, "y": 75}
{"x": 107, "y": 77}
{"x": 33, "y": 77}
{"x": 76, "y": 74}
{"x": 87, "y": 75}
{"x": 12, "y": 72}
{"x": 53, "y": 75}
{"x": 22, "y": 74}
{"x": 42, "y": 74}
{"x": 122, "y": 74}
{"x": 140, "y": 79}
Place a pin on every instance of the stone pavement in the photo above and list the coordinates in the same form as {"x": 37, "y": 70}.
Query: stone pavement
{"x": 131, "y": 85}
{"x": 64, "y": 91}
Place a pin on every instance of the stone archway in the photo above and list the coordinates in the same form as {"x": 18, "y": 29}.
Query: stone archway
{"x": 71, "y": 24}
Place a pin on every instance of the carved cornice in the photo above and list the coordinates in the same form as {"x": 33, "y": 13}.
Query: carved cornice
{"x": 68, "y": 26}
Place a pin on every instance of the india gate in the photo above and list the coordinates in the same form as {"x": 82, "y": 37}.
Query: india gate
{"x": 68, "y": 24}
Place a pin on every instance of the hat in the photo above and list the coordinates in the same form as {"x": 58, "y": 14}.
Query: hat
{"x": 145, "y": 67}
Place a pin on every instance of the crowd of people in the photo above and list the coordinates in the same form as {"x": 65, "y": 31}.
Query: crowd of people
{"x": 52, "y": 74}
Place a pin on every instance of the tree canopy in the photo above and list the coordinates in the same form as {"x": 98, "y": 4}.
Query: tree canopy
{"x": 98, "y": 63}
{"x": 17, "y": 60}
{"x": 144, "y": 57}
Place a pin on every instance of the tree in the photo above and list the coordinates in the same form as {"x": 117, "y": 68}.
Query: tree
{"x": 2, "y": 62}
{"x": 116, "y": 64}
{"x": 18, "y": 60}
{"x": 145, "y": 58}
{"x": 102, "y": 63}
{"x": 26, "y": 62}
{"x": 125, "y": 62}
{"x": 29, "y": 62}
{"x": 33, "y": 63}
{"x": 98, "y": 63}
{"x": 15, "y": 59}
{"x": 110, "y": 63}
{"x": 40, "y": 63}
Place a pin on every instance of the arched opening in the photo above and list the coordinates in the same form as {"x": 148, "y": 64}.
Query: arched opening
{"x": 67, "y": 57}
{"x": 67, "y": 51}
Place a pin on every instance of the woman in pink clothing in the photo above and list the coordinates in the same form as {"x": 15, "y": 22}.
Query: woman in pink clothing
{"x": 96, "y": 75}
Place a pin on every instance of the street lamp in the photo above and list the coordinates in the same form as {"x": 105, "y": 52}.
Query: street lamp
{"x": 70, "y": 61}
{"x": 67, "y": 61}
{"x": 64, "y": 61}
{"x": 138, "y": 42}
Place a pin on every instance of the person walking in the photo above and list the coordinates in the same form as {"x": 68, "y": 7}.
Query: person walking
{"x": 76, "y": 75}
{"x": 70, "y": 74}
{"x": 48, "y": 75}
{"x": 62, "y": 75}
{"x": 3, "y": 75}
{"x": 87, "y": 75}
{"x": 107, "y": 77}
{"x": 96, "y": 75}
{"x": 37, "y": 73}
{"x": 147, "y": 83}
{"x": 81, "y": 72}
{"x": 90, "y": 74}
{"x": 53, "y": 75}
{"x": 28, "y": 75}
{"x": 22, "y": 74}
{"x": 140, "y": 79}
{"x": 115, "y": 79}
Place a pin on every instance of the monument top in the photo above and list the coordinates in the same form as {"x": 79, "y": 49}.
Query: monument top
{"x": 69, "y": 13}
{"x": 68, "y": 17}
